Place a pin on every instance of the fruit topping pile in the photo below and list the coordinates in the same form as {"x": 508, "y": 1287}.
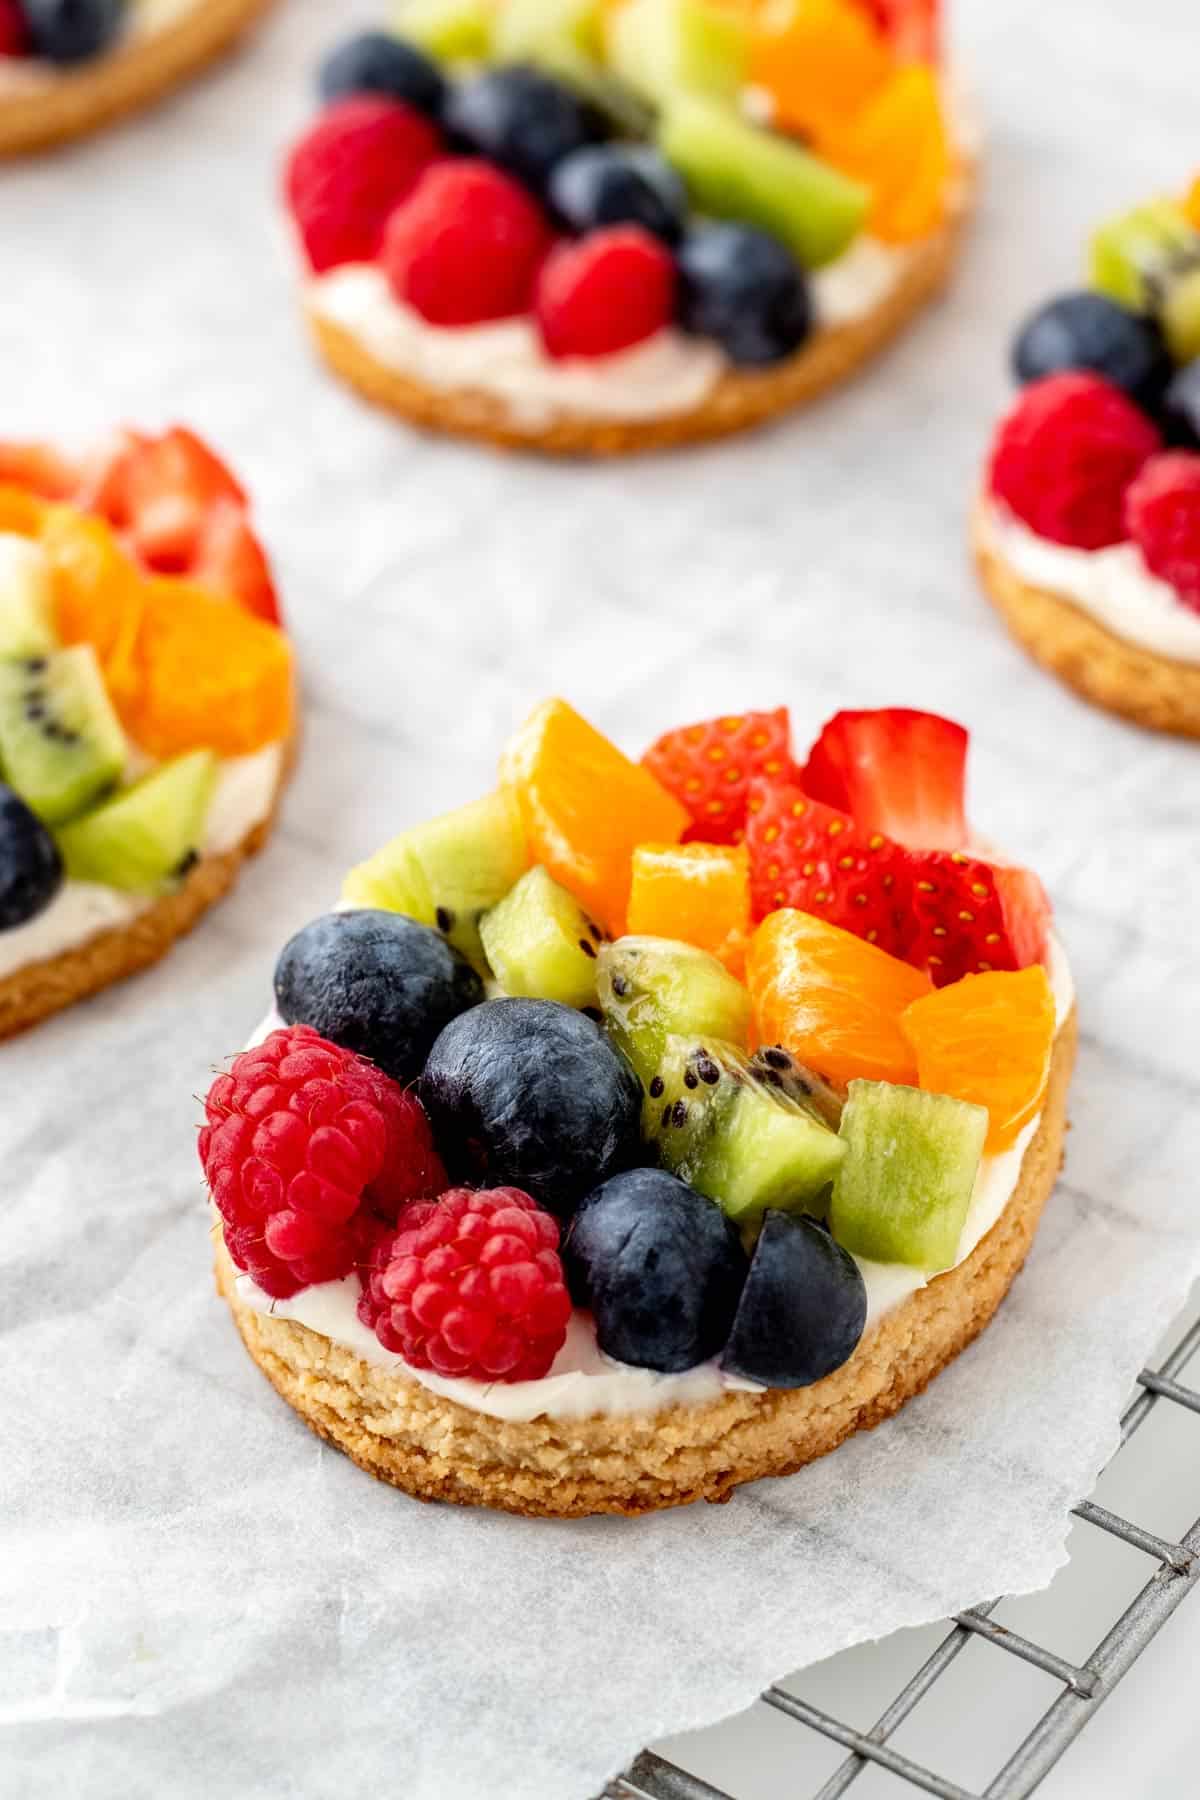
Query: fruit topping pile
{"x": 680, "y": 1039}
{"x": 139, "y": 644}
{"x": 1103, "y": 445}
{"x": 62, "y": 31}
{"x": 615, "y": 167}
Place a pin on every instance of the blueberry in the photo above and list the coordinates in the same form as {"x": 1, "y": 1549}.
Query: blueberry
{"x": 1180, "y": 413}
{"x": 377, "y": 63}
{"x": 530, "y": 1093}
{"x": 746, "y": 290}
{"x": 522, "y": 120}
{"x": 70, "y": 31}
{"x": 660, "y": 1268}
{"x": 803, "y": 1308}
{"x": 31, "y": 870}
{"x": 1090, "y": 331}
{"x": 375, "y": 982}
{"x": 619, "y": 184}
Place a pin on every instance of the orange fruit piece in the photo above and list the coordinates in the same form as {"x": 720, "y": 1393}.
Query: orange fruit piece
{"x": 699, "y": 893}
{"x": 832, "y": 999}
{"x": 820, "y": 61}
{"x": 1191, "y": 205}
{"x": 20, "y": 511}
{"x": 210, "y": 676}
{"x": 987, "y": 1039}
{"x": 98, "y": 595}
{"x": 898, "y": 146}
{"x": 585, "y": 808}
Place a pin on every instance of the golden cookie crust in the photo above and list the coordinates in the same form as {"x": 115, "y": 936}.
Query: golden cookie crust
{"x": 82, "y": 99}
{"x": 741, "y": 400}
{"x": 34, "y": 993}
{"x": 639, "y": 1463}
{"x": 1152, "y": 690}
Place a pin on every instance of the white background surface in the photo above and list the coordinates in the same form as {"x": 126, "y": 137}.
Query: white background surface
{"x": 435, "y": 594}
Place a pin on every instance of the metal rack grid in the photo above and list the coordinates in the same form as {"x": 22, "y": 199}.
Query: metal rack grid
{"x": 1085, "y": 1686}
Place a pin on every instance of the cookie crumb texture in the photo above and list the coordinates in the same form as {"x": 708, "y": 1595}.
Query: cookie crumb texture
{"x": 435, "y": 1449}
{"x": 36, "y": 992}
{"x": 1152, "y": 690}
{"x": 96, "y": 93}
{"x": 742, "y": 399}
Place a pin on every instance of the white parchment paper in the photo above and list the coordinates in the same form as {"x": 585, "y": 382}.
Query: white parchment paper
{"x": 195, "y": 1596}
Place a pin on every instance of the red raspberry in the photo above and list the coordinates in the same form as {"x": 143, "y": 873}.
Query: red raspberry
{"x": 609, "y": 291}
{"x": 466, "y": 247}
{"x": 14, "y": 32}
{"x": 471, "y": 1285}
{"x": 1064, "y": 456}
{"x": 1162, "y": 515}
{"x": 306, "y": 1150}
{"x": 350, "y": 172}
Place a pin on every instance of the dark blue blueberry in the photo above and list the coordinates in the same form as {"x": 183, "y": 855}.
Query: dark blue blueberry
{"x": 68, "y": 31}
{"x": 31, "y": 870}
{"x": 1180, "y": 413}
{"x": 531, "y": 1094}
{"x": 619, "y": 184}
{"x": 523, "y": 120}
{"x": 746, "y": 290}
{"x": 659, "y": 1267}
{"x": 1090, "y": 331}
{"x": 803, "y": 1308}
{"x": 377, "y": 63}
{"x": 375, "y": 982}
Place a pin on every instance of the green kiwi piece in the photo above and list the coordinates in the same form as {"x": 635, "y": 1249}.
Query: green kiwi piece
{"x": 736, "y": 170}
{"x": 449, "y": 871}
{"x": 540, "y": 944}
{"x": 743, "y": 1141}
{"x": 903, "y": 1192}
{"x": 524, "y": 28}
{"x": 61, "y": 743}
{"x": 652, "y": 988}
{"x": 664, "y": 47}
{"x": 1148, "y": 259}
{"x": 26, "y": 599}
{"x": 452, "y": 30}
{"x": 149, "y": 835}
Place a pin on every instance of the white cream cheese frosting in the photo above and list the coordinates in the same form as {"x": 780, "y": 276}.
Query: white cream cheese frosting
{"x": 243, "y": 798}
{"x": 145, "y": 18}
{"x": 669, "y": 373}
{"x": 1112, "y": 586}
{"x": 583, "y": 1382}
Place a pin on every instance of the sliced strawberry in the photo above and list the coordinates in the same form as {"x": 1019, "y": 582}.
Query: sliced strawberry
{"x": 230, "y": 559}
{"x": 969, "y": 916}
{"x": 160, "y": 491}
{"x": 810, "y": 856}
{"x": 708, "y": 768}
{"x": 39, "y": 468}
{"x": 896, "y": 771}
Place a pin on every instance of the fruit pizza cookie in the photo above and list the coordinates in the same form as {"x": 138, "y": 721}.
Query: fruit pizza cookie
{"x": 598, "y": 226}
{"x": 646, "y": 1128}
{"x": 147, "y": 709}
{"x": 70, "y": 66}
{"x": 1087, "y": 532}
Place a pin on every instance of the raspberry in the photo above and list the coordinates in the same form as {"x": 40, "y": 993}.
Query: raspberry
{"x": 605, "y": 293}
{"x": 1162, "y": 515}
{"x": 471, "y": 1286}
{"x": 467, "y": 245}
{"x": 309, "y": 1150}
{"x": 350, "y": 172}
{"x": 14, "y": 32}
{"x": 1064, "y": 456}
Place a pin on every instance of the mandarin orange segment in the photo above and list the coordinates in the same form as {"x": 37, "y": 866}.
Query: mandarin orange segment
{"x": 20, "y": 511}
{"x": 698, "y": 893}
{"x": 585, "y": 808}
{"x": 899, "y": 147}
{"x": 210, "y": 675}
{"x": 987, "y": 1039}
{"x": 832, "y": 999}
{"x": 1191, "y": 205}
{"x": 820, "y": 61}
{"x": 98, "y": 595}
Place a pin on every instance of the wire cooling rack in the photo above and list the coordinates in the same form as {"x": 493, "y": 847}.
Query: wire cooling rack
{"x": 1084, "y": 1688}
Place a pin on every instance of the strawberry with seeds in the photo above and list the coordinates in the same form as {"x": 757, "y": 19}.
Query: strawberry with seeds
{"x": 896, "y": 771}
{"x": 709, "y": 767}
